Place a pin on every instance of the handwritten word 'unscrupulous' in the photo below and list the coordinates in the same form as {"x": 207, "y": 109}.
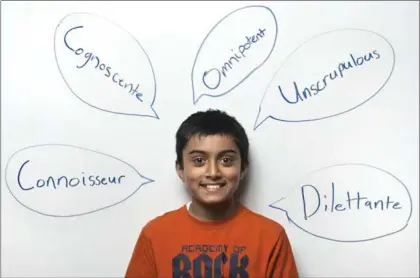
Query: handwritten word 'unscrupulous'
{"x": 66, "y": 182}
{"x": 314, "y": 89}
{"x": 91, "y": 57}
{"x": 352, "y": 202}
{"x": 227, "y": 66}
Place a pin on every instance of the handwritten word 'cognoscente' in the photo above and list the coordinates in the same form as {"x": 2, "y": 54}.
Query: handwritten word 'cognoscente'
{"x": 90, "y": 57}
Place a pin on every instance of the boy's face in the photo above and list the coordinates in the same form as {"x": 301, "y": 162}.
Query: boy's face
{"x": 212, "y": 168}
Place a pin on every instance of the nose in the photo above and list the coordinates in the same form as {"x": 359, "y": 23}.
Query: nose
{"x": 213, "y": 171}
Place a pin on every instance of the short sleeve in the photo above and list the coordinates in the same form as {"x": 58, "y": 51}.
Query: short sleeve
{"x": 282, "y": 263}
{"x": 142, "y": 262}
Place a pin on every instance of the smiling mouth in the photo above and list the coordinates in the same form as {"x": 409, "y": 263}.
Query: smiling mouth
{"x": 212, "y": 186}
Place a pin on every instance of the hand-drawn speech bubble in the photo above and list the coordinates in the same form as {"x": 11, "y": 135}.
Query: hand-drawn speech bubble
{"x": 237, "y": 46}
{"x": 64, "y": 181}
{"x": 330, "y": 74}
{"x": 105, "y": 66}
{"x": 348, "y": 203}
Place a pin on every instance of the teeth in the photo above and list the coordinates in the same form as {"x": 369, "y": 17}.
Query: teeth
{"x": 213, "y": 186}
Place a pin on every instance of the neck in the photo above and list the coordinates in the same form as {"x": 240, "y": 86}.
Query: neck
{"x": 213, "y": 212}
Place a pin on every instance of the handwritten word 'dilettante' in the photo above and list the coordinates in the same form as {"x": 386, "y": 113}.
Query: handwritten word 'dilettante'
{"x": 227, "y": 66}
{"x": 91, "y": 57}
{"x": 352, "y": 202}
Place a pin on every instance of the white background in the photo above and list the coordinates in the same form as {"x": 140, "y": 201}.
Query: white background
{"x": 38, "y": 108}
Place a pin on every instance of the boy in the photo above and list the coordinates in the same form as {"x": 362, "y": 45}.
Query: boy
{"x": 214, "y": 235}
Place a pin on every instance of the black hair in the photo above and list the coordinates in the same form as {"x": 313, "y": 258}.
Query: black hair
{"x": 212, "y": 122}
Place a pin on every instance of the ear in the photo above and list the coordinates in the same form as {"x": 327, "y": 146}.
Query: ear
{"x": 179, "y": 170}
{"x": 244, "y": 171}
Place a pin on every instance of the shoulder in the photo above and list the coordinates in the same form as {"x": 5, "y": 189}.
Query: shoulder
{"x": 164, "y": 221}
{"x": 265, "y": 226}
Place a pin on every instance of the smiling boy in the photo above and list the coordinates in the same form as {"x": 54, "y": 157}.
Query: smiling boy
{"x": 214, "y": 235}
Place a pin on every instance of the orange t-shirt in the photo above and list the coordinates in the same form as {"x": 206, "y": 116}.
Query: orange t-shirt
{"x": 247, "y": 244}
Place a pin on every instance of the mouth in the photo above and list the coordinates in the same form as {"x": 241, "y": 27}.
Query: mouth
{"x": 212, "y": 186}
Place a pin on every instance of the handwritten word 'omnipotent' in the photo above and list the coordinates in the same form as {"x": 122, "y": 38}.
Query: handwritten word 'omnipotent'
{"x": 90, "y": 57}
{"x": 230, "y": 63}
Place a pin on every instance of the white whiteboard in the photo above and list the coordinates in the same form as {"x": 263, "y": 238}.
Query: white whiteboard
{"x": 94, "y": 92}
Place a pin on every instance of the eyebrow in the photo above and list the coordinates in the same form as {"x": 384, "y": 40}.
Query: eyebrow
{"x": 203, "y": 152}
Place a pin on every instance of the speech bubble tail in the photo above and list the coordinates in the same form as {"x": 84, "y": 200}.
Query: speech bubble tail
{"x": 146, "y": 180}
{"x": 197, "y": 98}
{"x": 260, "y": 119}
{"x": 150, "y": 112}
{"x": 154, "y": 115}
{"x": 194, "y": 99}
{"x": 275, "y": 205}
{"x": 288, "y": 218}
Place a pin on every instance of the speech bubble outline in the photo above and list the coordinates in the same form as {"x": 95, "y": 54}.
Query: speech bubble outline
{"x": 196, "y": 99}
{"x": 152, "y": 110}
{"x": 273, "y": 205}
{"x": 259, "y": 122}
{"x": 145, "y": 179}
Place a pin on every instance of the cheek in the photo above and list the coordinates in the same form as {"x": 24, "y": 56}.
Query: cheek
{"x": 232, "y": 174}
{"x": 193, "y": 175}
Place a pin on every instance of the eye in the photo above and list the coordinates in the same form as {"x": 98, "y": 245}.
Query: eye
{"x": 198, "y": 160}
{"x": 227, "y": 160}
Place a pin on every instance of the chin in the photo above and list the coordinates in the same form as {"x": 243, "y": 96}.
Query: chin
{"x": 212, "y": 201}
